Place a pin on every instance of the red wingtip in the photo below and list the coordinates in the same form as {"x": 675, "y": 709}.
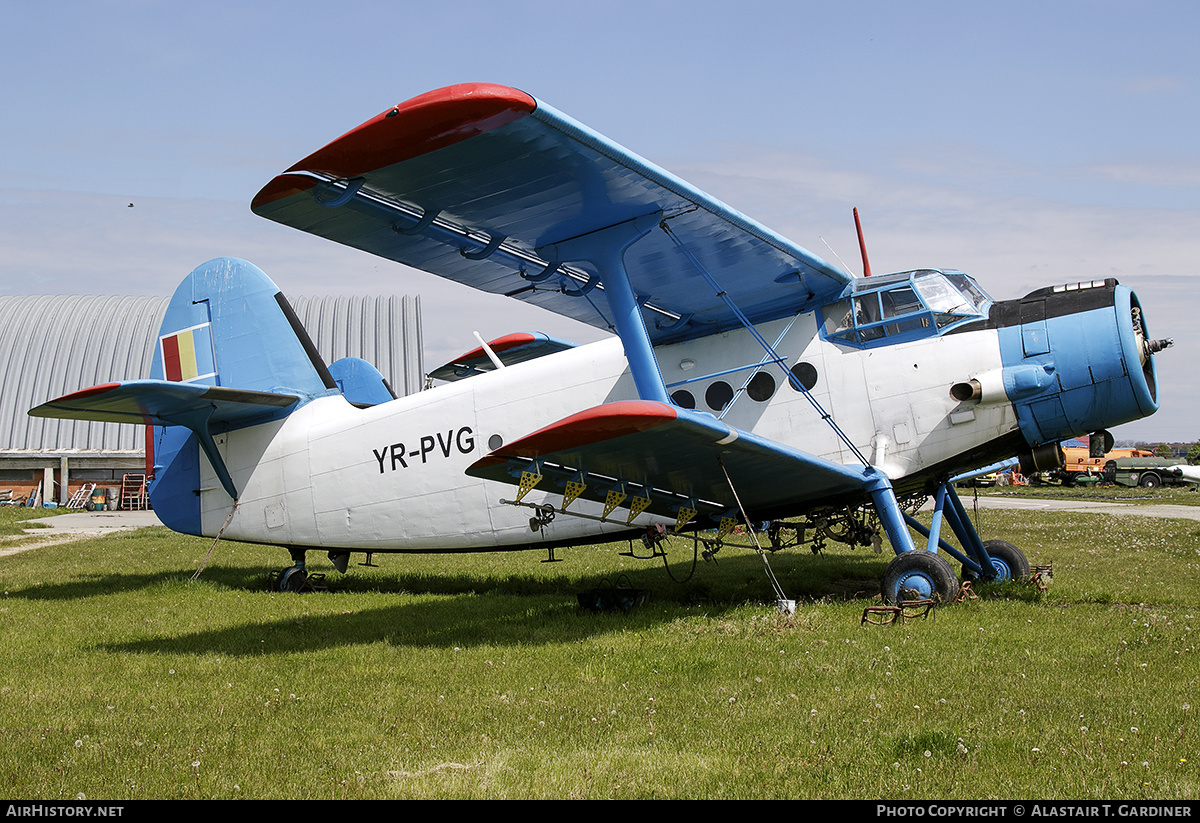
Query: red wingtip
{"x": 282, "y": 186}
{"x": 592, "y": 425}
{"x": 90, "y": 392}
{"x": 423, "y": 124}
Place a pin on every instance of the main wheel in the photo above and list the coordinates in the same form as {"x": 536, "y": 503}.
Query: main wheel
{"x": 1008, "y": 561}
{"x": 919, "y": 575}
{"x": 293, "y": 580}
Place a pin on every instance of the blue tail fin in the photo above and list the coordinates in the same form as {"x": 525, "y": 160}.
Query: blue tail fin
{"x": 230, "y": 354}
{"x": 229, "y": 325}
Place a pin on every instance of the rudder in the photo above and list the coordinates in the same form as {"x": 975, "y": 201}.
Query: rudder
{"x": 229, "y": 325}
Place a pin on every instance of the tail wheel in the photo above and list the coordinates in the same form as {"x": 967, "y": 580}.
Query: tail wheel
{"x": 919, "y": 575}
{"x": 1008, "y": 561}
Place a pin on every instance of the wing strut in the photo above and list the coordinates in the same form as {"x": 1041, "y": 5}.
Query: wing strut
{"x": 605, "y": 249}
{"x": 877, "y": 483}
{"x": 773, "y": 356}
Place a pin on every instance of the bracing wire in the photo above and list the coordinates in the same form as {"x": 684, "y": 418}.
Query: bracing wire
{"x": 753, "y": 534}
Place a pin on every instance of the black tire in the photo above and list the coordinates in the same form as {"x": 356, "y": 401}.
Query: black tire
{"x": 1150, "y": 480}
{"x": 293, "y": 580}
{"x": 919, "y": 574}
{"x": 1008, "y": 561}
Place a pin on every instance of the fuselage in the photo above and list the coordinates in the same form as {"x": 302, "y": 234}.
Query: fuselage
{"x": 391, "y": 477}
{"x": 920, "y": 396}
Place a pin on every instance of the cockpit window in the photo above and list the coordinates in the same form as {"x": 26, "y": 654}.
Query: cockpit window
{"x": 970, "y": 289}
{"x": 904, "y": 306}
{"x": 900, "y": 301}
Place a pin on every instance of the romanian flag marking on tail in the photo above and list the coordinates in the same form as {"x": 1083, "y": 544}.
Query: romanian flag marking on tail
{"x": 187, "y": 355}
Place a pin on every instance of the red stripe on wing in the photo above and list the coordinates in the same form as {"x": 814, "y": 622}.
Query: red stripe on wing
{"x": 593, "y": 425}
{"x": 418, "y": 126}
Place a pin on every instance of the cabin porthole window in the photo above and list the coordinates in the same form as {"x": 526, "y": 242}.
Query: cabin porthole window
{"x": 761, "y": 388}
{"x": 806, "y": 374}
{"x": 683, "y": 399}
{"x": 718, "y": 395}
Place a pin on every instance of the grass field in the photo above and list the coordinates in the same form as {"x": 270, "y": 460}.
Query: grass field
{"x": 479, "y": 677}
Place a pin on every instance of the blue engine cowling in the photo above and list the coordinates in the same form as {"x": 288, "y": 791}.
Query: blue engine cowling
{"x": 1077, "y": 359}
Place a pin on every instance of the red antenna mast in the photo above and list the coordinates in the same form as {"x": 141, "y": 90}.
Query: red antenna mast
{"x": 862, "y": 245}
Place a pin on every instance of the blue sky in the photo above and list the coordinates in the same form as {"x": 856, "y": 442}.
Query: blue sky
{"x": 1027, "y": 143}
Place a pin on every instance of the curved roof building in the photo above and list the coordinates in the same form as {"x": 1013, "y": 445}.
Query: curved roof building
{"x": 53, "y": 345}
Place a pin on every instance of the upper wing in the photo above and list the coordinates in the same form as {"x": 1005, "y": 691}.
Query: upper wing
{"x": 673, "y": 458}
{"x": 478, "y": 183}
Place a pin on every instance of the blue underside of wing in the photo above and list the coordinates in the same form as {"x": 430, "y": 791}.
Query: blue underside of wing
{"x": 543, "y": 179}
{"x": 682, "y": 457}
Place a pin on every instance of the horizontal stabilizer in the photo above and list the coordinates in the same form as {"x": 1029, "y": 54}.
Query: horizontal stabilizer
{"x": 205, "y": 410}
{"x": 676, "y": 458}
{"x": 511, "y": 349}
{"x": 165, "y": 403}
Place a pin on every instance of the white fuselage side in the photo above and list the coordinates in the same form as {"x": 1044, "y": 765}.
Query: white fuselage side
{"x": 392, "y": 477}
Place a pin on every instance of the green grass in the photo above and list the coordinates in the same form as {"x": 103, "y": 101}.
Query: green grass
{"x": 1167, "y": 495}
{"x": 478, "y": 676}
{"x": 15, "y": 519}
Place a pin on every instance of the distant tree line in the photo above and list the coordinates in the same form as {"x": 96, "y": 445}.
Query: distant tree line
{"x": 1186, "y": 451}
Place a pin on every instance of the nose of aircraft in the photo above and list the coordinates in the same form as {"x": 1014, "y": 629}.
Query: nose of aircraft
{"x": 1077, "y": 359}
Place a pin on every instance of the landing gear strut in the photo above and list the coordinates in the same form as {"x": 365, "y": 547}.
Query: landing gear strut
{"x": 994, "y": 560}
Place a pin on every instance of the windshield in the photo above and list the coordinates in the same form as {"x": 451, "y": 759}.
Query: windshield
{"x": 955, "y": 294}
{"x": 905, "y": 306}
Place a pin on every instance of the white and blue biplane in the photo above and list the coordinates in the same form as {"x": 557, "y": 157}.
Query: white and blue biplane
{"x": 749, "y": 381}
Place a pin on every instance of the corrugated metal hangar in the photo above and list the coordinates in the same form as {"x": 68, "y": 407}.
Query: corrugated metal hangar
{"x": 54, "y": 345}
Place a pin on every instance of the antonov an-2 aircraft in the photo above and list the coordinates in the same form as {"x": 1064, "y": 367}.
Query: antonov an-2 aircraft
{"x": 749, "y": 382}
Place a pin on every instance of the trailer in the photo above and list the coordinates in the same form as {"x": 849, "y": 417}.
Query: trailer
{"x": 1080, "y": 467}
{"x": 1145, "y": 471}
